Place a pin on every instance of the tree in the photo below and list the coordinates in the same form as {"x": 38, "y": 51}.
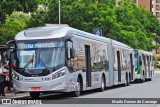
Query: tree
{"x": 127, "y": 23}
{"x": 38, "y": 17}
{"x": 142, "y": 23}
{"x": 8, "y": 6}
{"x": 14, "y": 23}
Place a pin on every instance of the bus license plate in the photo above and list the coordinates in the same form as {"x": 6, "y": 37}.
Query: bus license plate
{"x": 35, "y": 88}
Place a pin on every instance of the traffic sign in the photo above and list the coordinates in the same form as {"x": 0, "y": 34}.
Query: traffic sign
{"x": 98, "y": 32}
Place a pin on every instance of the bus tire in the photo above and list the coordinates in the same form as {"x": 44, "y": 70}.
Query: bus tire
{"x": 143, "y": 78}
{"x": 150, "y": 79}
{"x": 78, "y": 89}
{"x": 34, "y": 95}
{"x": 102, "y": 88}
{"x": 141, "y": 81}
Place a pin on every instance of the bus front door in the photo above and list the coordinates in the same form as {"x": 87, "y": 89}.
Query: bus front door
{"x": 131, "y": 61}
{"x": 119, "y": 66}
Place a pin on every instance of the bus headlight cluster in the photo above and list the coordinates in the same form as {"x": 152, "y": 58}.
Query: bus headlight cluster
{"x": 58, "y": 74}
{"x": 15, "y": 76}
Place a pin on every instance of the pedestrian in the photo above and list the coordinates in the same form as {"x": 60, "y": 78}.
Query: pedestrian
{"x": 7, "y": 84}
{"x": 3, "y": 74}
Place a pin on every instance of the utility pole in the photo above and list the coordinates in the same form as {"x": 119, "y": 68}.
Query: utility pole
{"x": 59, "y": 12}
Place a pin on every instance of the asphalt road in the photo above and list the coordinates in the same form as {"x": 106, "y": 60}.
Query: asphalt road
{"x": 149, "y": 89}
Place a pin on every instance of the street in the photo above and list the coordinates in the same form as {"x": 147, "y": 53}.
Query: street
{"x": 149, "y": 89}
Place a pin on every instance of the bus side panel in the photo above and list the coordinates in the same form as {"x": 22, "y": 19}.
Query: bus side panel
{"x": 98, "y": 57}
{"x": 111, "y": 64}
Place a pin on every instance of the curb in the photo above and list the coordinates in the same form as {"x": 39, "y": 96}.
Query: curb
{"x": 12, "y": 97}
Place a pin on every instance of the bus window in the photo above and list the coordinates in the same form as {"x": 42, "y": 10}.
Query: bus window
{"x": 140, "y": 60}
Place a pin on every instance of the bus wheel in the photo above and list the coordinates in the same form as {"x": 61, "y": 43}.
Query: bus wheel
{"x": 150, "y": 79}
{"x": 143, "y": 78}
{"x": 102, "y": 84}
{"x": 34, "y": 95}
{"x": 78, "y": 89}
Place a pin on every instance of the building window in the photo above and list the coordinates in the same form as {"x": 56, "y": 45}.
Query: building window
{"x": 158, "y": 7}
{"x": 157, "y": 1}
{"x": 158, "y": 14}
{"x": 135, "y": 1}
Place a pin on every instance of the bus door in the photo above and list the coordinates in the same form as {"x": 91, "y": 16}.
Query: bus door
{"x": 119, "y": 66}
{"x": 131, "y": 62}
{"x": 149, "y": 70}
{"x": 88, "y": 65}
{"x": 145, "y": 65}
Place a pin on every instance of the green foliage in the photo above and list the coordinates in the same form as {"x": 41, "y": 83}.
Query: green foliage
{"x": 156, "y": 64}
{"x": 141, "y": 23}
{"x": 37, "y": 18}
{"x": 126, "y": 23}
{"x": 8, "y": 6}
{"x": 14, "y": 23}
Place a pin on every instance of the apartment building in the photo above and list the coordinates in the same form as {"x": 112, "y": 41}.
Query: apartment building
{"x": 156, "y": 8}
{"x": 146, "y": 3}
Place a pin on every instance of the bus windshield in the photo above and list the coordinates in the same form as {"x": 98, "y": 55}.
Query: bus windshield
{"x": 40, "y": 58}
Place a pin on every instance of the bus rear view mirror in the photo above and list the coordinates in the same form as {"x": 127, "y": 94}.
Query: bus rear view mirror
{"x": 71, "y": 53}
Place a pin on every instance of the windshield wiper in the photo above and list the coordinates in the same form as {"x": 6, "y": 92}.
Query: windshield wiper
{"x": 31, "y": 60}
{"x": 39, "y": 60}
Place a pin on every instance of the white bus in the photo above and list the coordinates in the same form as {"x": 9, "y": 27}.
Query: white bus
{"x": 64, "y": 59}
{"x": 144, "y": 65}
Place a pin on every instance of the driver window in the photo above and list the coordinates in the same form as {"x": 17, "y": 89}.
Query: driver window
{"x": 69, "y": 46}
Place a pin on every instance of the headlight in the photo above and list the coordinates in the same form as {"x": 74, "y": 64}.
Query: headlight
{"x": 58, "y": 74}
{"x": 15, "y": 76}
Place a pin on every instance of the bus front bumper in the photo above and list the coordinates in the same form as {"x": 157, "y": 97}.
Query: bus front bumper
{"x": 57, "y": 85}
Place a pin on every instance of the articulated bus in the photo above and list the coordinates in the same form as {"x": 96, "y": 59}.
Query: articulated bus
{"x": 144, "y": 65}
{"x": 64, "y": 59}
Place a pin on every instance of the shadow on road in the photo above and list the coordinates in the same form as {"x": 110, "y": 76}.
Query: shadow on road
{"x": 58, "y": 96}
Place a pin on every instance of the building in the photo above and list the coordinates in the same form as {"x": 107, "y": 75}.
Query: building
{"x": 156, "y": 8}
{"x": 146, "y": 3}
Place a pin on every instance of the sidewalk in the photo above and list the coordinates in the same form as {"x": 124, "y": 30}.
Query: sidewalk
{"x": 13, "y": 95}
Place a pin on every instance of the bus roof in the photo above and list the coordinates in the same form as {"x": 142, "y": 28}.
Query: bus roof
{"x": 41, "y": 33}
{"x": 144, "y": 52}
